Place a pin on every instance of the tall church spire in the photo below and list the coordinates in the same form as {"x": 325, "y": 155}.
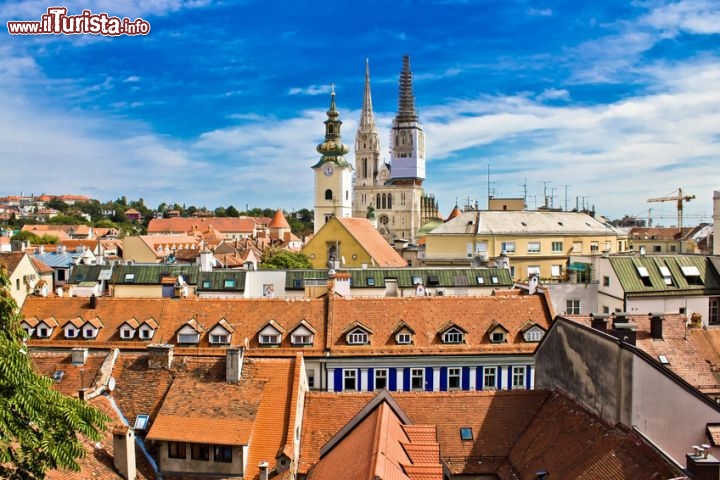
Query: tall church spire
{"x": 406, "y": 99}
{"x": 367, "y": 143}
{"x": 408, "y": 139}
{"x": 367, "y": 119}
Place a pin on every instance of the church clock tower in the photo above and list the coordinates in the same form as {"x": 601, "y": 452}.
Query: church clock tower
{"x": 333, "y": 175}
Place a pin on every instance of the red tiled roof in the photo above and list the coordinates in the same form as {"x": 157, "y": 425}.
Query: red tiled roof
{"x": 424, "y": 315}
{"x": 75, "y": 377}
{"x": 99, "y": 459}
{"x": 279, "y": 220}
{"x": 11, "y": 260}
{"x": 221, "y": 224}
{"x": 497, "y": 419}
{"x": 40, "y": 266}
{"x": 374, "y": 243}
{"x": 679, "y": 345}
{"x": 569, "y": 442}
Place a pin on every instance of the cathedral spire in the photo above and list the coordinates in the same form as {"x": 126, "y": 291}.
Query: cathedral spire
{"x": 406, "y": 99}
{"x": 367, "y": 119}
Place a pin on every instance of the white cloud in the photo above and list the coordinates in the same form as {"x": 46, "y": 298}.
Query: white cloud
{"x": 553, "y": 94}
{"x": 311, "y": 90}
{"x": 692, "y": 16}
{"x": 132, "y": 79}
{"x": 540, "y": 12}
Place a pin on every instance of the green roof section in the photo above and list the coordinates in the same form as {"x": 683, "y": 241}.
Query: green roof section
{"x": 152, "y": 274}
{"x": 409, "y": 277}
{"x": 656, "y": 275}
{"x": 222, "y": 280}
{"x": 86, "y": 273}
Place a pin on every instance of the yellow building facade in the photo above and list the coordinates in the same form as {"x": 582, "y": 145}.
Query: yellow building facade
{"x": 534, "y": 243}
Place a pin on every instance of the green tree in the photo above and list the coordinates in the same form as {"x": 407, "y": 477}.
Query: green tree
{"x": 279, "y": 259}
{"x": 57, "y": 205}
{"x": 66, "y": 220}
{"x": 38, "y": 425}
{"x": 34, "y": 238}
{"x": 232, "y": 211}
{"x": 220, "y": 212}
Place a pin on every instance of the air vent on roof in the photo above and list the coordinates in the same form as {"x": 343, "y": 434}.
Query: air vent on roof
{"x": 58, "y": 375}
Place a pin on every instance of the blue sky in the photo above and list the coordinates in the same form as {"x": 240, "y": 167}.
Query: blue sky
{"x": 223, "y": 102}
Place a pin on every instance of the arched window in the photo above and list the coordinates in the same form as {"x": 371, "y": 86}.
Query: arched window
{"x": 389, "y": 201}
{"x": 384, "y": 201}
{"x": 331, "y": 128}
{"x": 328, "y": 194}
{"x": 365, "y": 170}
{"x": 377, "y": 201}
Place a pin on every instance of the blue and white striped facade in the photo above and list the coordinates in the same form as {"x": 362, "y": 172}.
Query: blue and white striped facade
{"x": 428, "y": 373}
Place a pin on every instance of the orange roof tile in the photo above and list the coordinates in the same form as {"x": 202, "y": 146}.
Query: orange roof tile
{"x": 11, "y": 260}
{"x": 180, "y": 225}
{"x": 206, "y": 429}
{"x": 569, "y": 442}
{"x": 682, "y": 347}
{"x": 279, "y": 220}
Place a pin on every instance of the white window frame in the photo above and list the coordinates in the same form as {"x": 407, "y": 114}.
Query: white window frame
{"x": 533, "y": 247}
{"x": 533, "y": 270}
{"x": 357, "y": 337}
{"x": 219, "y": 339}
{"x": 302, "y": 339}
{"x": 403, "y": 338}
{"x": 350, "y": 374}
{"x": 572, "y": 307}
{"x": 507, "y": 247}
{"x": 453, "y": 336}
{"x": 456, "y": 374}
{"x": 556, "y": 270}
{"x": 534, "y": 335}
{"x": 518, "y": 373}
{"x": 384, "y": 376}
{"x": 490, "y": 373}
{"x": 127, "y": 333}
{"x": 497, "y": 336}
{"x": 557, "y": 246}
{"x": 269, "y": 339}
{"x": 186, "y": 338}
{"x": 417, "y": 374}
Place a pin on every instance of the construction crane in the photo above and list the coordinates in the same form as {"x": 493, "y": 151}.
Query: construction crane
{"x": 680, "y": 199}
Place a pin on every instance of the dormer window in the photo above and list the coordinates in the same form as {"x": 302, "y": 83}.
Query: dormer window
{"x": 273, "y": 339}
{"x": 216, "y": 339}
{"x": 126, "y": 333}
{"x": 190, "y": 337}
{"x": 357, "y": 337}
{"x": 90, "y": 333}
{"x": 403, "y": 338}
{"x": 43, "y": 332}
{"x": 71, "y": 333}
{"x": 497, "y": 337}
{"x": 303, "y": 334}
{"x": 270, "y": 334}
{"x": 453, "y": 335}
{"x": 534, "y": 335}
{"x": 692, "y": 275}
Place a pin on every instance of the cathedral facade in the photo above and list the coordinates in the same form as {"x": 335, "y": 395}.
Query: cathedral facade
{"x": 391, "y": 194}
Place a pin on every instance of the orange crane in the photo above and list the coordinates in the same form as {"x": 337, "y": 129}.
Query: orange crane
{"x": 680, "y": 199}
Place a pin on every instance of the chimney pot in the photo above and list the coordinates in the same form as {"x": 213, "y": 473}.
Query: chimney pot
{"x": 656, "y": 325}
{"x": 263, "y": 466}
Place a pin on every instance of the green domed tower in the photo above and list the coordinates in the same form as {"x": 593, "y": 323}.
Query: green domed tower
{"x": 333, "y": 174}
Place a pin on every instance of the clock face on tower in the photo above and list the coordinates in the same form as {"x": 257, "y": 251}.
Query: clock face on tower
{"x": 328, "y": 170}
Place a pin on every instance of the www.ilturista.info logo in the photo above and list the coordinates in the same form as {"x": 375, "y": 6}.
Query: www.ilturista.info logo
{"x": 57, "y": 22}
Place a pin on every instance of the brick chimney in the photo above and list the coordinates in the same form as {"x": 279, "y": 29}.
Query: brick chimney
{"x": 598, "y": 321}
{"x": 160, "y": 356}
{"x": 656, "y": 325}
{"x": 124, "y": 451}
{"x": 233, "y": 364}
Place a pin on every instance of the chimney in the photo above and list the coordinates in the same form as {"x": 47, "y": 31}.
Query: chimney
{"x": 656, "y": 325}
{"x": 701, "y": 464}
{"x": 93, "y": 301}
{"x": 263, "y": 466}
{"x": 79, "y": 355}
{"x": 124, "y": 451}
{"x": 81, "y": 394}
{"x": 598, "y": 321}
{"x": 233, "y": 364}
{"x": 160, "y": 356}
